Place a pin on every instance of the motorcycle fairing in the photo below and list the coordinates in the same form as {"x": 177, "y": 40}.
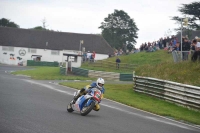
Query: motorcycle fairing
{"x": 80, "y": 102}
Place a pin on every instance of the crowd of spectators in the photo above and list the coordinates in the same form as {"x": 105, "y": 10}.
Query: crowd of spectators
{"x": 172, "y": 44}
{"x": 162, "y": 43}
{"x": 118, "y": 52}
{"x": 88, "y": 56}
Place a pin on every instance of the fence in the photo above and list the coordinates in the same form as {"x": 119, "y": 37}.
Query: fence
{"x": 80, "y": 71}
{"x": 109, "y": 64}
{"x": 106, "y": 75}
{"x": 63, "y": 71}
{"x": 177, "y": 55}
{"x": 182, "y": 94}
{"x": 42, "y": 63}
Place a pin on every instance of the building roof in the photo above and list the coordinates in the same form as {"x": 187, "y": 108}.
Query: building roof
{"x": 52, "y": 40}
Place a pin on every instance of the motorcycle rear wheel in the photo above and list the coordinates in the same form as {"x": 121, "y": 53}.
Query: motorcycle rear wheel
{"x": 87, "y": 110}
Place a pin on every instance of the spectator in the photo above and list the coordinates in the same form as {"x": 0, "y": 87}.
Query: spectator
{"x": 197, "y": 51}
{"x": 167, "y": 42}
{"x": 164, "y": 41}
{"x": 93, "y": 55}
{"x": 109, "y": 55}
{"x": 177, "y": 47}
{"x": 84, "y": 56}
{"x": 161, "y": 43}
{"x": 185, "y": 49}
{"x": 141, "y": 47}
{"x": 151, "y": 49}
{"x": 117, "y": 62}
{"x": 193, "y": 44}
{"x": 120, "y": 52}
{"x": 157, "y": 45}
{"x": 115, "y": 52}
{"x": 145, "y": 46}
{"x": 174, "y": 41}
{"x": 88, "y": 56}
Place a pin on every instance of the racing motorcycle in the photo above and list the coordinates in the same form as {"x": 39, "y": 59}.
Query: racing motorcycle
{"x": 85, "y": 103}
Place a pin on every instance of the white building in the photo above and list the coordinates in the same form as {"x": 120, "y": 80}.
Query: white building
{"x": 17, "y": 45}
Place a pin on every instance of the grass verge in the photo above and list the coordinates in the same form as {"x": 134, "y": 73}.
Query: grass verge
{"x": 49, "y": 73}
{"x": 125, "y": 94}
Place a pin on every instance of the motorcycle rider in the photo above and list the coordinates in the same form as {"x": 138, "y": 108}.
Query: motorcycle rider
{"x": 98, "y": 84}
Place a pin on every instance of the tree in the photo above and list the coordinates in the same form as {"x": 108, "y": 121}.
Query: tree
{"x": 44, "y": 23}
{"x": 192, "y": 11}
{"x": 7, "y": 23}
{"x": 119, "y": 29}
{"x": 43, "y": 27}
{"x": 130, "y": 47}
{"x": 38, "y": 28}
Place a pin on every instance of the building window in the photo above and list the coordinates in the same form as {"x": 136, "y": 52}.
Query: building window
{"x": 32, "y": 50}
{"x": 55, "y": 52}
{"x": 6, "y": 48}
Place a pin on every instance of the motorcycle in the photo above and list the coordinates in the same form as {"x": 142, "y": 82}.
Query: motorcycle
{"x": 85, "y": 103}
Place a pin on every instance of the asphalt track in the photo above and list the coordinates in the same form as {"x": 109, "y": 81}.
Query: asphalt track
{"x": 39, "y": 106}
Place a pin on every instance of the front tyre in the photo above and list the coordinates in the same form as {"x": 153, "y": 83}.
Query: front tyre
{"x": 87, "y": 109}
{"x": 69, "y": 108}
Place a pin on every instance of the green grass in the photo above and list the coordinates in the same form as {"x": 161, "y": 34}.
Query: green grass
{"x": 141, "y": 58}
{"x": 125, "y": 94}
{"x": 159, "y": 65}
{"x": 186, "y": 72}
{"x": 49, "y": 73}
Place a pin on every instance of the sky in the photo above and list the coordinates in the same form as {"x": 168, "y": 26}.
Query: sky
{"x": 152, "y": 17}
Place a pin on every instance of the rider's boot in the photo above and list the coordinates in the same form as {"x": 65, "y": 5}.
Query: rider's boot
{"x": 96, "y": 107}
{"x": 82, "y": 91}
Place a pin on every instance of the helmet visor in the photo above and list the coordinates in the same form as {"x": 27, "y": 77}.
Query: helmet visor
{"x": 100, "y": 84}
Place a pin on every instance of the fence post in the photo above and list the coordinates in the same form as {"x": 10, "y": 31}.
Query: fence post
{"x": 133, "y": 73}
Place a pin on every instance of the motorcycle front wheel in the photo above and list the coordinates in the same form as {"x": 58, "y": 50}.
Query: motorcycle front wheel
{"x": 69, "y": 108}
{"x": 86, "y": 110}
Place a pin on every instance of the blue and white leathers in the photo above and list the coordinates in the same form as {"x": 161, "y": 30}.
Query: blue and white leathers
{"x": 94, "y": 85}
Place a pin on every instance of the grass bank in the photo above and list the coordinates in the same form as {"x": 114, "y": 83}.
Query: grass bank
{"x": 125, "y": 94}
{"x": 159, "y": 65}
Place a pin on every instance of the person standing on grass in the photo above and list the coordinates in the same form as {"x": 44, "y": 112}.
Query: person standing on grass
{"x": 84, "y": 56}
{"x": 193, "y": 45}
{"x": 185, "y": 49}
{"x": 117, "y": 62}
{"x": 196, "y": 54}
{"x": 93, "y": 55}
{"x": 88, "y": 56}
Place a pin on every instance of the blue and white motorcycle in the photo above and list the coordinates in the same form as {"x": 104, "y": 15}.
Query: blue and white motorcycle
{"x": 85, "y": 103}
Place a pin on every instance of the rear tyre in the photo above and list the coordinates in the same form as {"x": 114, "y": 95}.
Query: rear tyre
{"x": 87, "y": 109}
{"x": 69, "y": 108}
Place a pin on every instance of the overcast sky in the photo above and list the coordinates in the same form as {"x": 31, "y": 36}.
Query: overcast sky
{"x": 152, "y": 17}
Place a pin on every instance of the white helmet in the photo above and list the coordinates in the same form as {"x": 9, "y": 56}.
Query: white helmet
{"x": 100, "y": 81}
